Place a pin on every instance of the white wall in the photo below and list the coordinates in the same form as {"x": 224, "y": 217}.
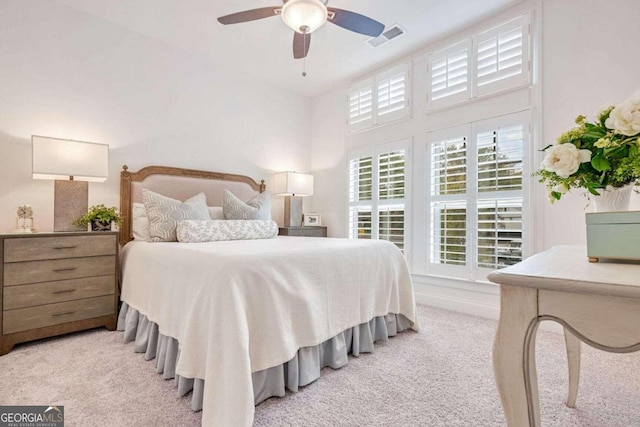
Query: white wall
{"x": 68, "y": 74}
{"x": 587, "y": 59}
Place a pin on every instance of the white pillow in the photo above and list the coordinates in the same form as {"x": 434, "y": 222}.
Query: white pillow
{"x": 257, "y": 208}
{"x": 164, "y": 213}
{"x": 195, "y": 231}
{"x": 140, "y": 220}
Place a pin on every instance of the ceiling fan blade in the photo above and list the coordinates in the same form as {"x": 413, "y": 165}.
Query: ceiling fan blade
{"x": 301, "y": 44}
{"x": 249, "y": 15}
{"x": 355, "y": 22}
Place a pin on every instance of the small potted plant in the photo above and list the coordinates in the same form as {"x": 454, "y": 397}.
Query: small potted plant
{"x": 100, "y": 217}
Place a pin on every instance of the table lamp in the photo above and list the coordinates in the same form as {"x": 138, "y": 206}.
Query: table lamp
{"x": 72, "y": 164}
{"x": 293, "y": 185}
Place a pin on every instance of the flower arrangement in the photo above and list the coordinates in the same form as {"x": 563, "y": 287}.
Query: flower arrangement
{"x": 101, "y": 214}
{"x": 594, "y": 155}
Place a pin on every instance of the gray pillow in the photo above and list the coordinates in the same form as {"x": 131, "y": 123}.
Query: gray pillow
{"x": 190, "y": 231}
{"x": 257, "y": 208}
{"x": 165, "y": 213}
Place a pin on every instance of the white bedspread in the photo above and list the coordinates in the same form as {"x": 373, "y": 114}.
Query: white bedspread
{"x": 237, "y": 307}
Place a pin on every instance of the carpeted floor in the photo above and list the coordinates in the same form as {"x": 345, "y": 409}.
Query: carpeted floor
{"x": 439, "y": 377}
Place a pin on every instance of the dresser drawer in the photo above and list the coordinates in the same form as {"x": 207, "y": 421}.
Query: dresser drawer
{"x": 33, "y": 249}
{"x": 58, "y": 291}
{"x": 24, "y": 319}
{"x": 20, "y": 273}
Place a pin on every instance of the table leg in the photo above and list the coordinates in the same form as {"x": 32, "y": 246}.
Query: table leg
{"x": 514, "y": 364}
{"x": 573, "y": 359}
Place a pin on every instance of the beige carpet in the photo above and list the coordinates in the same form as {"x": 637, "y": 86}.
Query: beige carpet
{"x": 439, "y": 377}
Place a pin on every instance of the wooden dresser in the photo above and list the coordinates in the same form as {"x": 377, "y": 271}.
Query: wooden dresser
{"x": 56, "y": 283}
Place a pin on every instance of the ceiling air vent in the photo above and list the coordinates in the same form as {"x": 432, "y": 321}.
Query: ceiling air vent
{"x": 389, "y": 34}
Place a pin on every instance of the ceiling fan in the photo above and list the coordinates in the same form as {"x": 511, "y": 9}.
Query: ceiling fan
{"x": 306, "y": 16}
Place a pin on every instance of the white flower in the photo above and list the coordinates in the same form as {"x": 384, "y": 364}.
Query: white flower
{"x": 625, "y": 118}
{"x": 564, "y": 159}
{"x": 551, "y": 198}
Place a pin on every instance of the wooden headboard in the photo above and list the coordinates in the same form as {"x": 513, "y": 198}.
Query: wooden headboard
{"x": 179, "y": 184}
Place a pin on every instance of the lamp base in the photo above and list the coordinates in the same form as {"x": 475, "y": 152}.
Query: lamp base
{"x": 70, "y": 202}
{"x": 292, "y": 211}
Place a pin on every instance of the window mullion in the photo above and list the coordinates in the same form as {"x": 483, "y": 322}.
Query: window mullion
{"x": 472, "y": 202}
{"x": 375, "y": 196}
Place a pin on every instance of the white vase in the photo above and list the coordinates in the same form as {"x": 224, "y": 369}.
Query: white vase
{"x": 614, "y": 199}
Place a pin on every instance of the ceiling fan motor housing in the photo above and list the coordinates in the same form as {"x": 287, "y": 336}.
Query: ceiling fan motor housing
{"x": 304, "y": 16}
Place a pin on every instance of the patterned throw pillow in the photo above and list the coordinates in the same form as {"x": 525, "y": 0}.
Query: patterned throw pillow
{"x": 165, "y": 213}
{"x": 190, "y": 231}
{"x": 257, "y": 208}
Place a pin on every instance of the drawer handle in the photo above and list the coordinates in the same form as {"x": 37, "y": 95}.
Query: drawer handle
{"x": 63, "y": 314}
{"x": 58, "y": 270}
{"x": 65, "y": 247}
{"x": 64, "y": 292}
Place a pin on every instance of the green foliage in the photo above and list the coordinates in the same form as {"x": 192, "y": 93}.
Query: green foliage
{"x": 615, "y": 158}
{"x": 101, "y": 213}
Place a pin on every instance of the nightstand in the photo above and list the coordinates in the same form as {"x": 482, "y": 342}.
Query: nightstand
{"x": 308, "y": 231}
{"x": 56, "y": 283}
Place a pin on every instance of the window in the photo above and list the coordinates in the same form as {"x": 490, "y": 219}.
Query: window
{"x": 476, "y": 196}
{"x": 502, "y": 56}
{"x": 361, "y": 105}
{"x": 377, "y": 191}
{"x": 388, "y": 102}
{"x": 500, "y": 61}
{"x": 449, "y": 70}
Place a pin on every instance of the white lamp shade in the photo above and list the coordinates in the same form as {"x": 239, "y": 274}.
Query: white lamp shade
{"x": 293, "y": 184}
{"x": 304, "y": 14}
{"x": 61, "y": 159}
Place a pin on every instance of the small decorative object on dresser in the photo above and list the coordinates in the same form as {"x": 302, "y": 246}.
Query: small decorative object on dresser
{"x": 24, "y": 219}
{"x": 312, "y": 219}
{"x": 56, "y": 283}
{"x": 100, "y": 217}
{"x": 303, "y": 231}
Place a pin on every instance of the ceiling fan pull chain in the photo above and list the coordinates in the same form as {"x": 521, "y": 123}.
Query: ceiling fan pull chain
{"x": 304, "y": 60}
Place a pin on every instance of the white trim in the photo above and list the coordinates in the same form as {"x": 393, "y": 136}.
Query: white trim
{"x": 475, "y": 298}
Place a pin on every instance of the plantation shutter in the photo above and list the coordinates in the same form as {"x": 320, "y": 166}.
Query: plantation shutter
{"x": 377, "y": 193}
{"x": 502, "y": 56}
{"x": 360, "y": 197}
{"x": 361, "y": 105}
{"x": 500, "y": 159}
{"x": 448, "y": 75}
{"x": 499, "y": 232}
{"x": 449, "y": 166}
{"x": 391, "y": 193}
{"x": 392, "y": 96}
{"x": 500, "y": 148}
{"x": 448, "y": 163}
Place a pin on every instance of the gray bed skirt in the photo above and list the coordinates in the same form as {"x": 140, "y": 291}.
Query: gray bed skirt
{"x": 303, "y": 369}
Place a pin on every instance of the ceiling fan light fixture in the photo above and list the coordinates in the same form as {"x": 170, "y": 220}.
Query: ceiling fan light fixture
{"x": 304, "y": 16}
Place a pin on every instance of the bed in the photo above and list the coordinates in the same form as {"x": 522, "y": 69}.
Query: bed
{"x": 236, "y": 322}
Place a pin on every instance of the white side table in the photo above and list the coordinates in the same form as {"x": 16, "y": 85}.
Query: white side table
{"x": 597, "y": 303}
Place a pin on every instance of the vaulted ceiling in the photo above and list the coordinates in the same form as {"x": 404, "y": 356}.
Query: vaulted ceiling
{"x": 264, "y": 48}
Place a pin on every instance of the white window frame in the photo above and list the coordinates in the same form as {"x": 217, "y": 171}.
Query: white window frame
{"x": 470, "y": 270}
{"x": 375, "y": 204}
{"x": 519, "y": 80}
{"x": 373, "y": 82}
{"x": 360, "y": 123}
{"x": 472, "y": 43}
{"x": 445, "y": 55}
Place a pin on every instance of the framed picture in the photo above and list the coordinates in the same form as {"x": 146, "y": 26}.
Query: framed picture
{"x": 312, "y": 219}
